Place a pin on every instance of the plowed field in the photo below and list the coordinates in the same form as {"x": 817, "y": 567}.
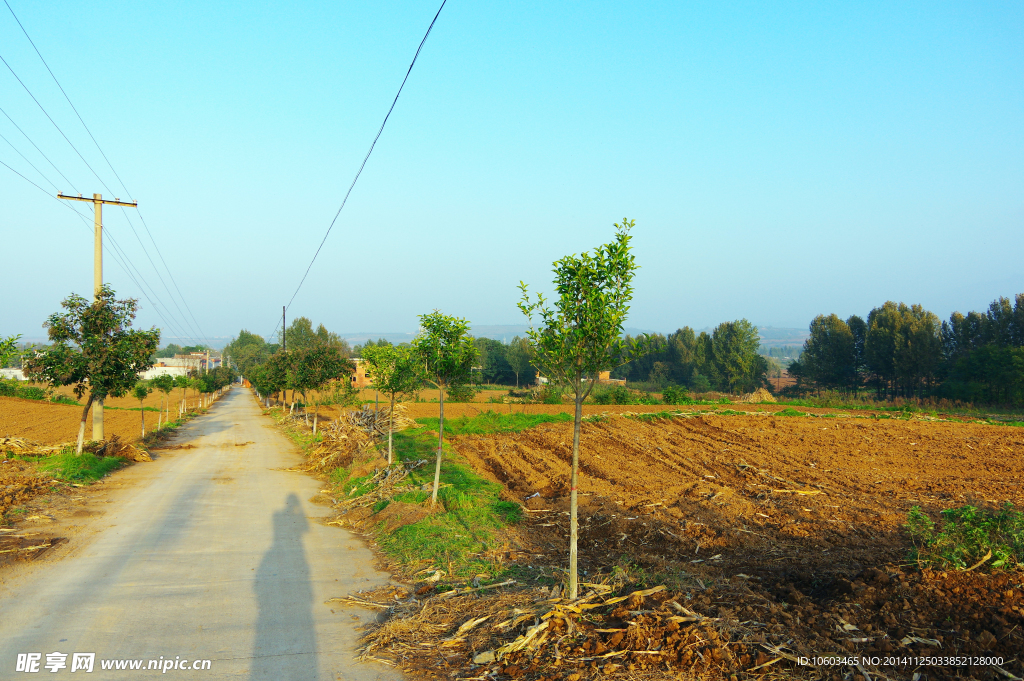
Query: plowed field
{"x": 49, "y": 423}
{"x": 806, "y": 513}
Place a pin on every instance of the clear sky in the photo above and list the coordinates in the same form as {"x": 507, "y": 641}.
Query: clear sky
{"x": 781, "y": 160}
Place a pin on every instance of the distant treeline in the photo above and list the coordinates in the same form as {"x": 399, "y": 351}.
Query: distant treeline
{"x": 905, "y": 351}
{"x": 726, "y": 360}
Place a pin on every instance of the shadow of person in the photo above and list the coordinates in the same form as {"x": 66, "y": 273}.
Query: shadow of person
{"x": 285, "y": 641}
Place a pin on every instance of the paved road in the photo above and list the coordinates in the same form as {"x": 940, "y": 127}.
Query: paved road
{"x": 214, "y": 553}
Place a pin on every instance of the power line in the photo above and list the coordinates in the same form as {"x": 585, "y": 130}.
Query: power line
{"x": 39, "y": 150}
{"x": 113, "y": 170}
{"x": 115, "y": 251}
{"x": 367, "y": 157}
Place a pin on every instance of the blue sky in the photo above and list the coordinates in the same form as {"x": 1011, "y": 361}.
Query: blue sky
{"x": 781, "y": 159}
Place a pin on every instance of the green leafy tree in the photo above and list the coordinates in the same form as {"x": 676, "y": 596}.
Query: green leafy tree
{"x": 314, "y": 367}
{"x": 903, "y": 348}
{"x": 446, "y": 353}
{"x": 141, "y": 392}
{"x": 182, "y": 383}
{"x": 165, "y": 384}
{"x": 394, "y": 371}
{"x": 94, "y": 348}
{"x": 581, "y": 335}
{"x": 830, "y": 353}
{"x": 248, "y": 350}
{"x": 518, "y": 355}
{"x": 734, "y": 351}
{"x": 8, "y": 349}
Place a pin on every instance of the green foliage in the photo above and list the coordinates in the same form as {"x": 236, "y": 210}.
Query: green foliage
{"x": 675, "y": 394}
{"x": 393, "y": 370}
{"x": 494, "y": 422}
{"x": 966, "y": 536}
{"x": 829, "y": 359}
{"x": 94, "y": 347}
{"x": 164, "y": 383}
{"x": 86, "y": 467}
{"x": 248, "y": 351}
{"x": 519, "y": 356}
{"x": 8, "y": 349}
{"x": 789, "y": 411}
{"x": 550, "y": 394}
{"x": 445, "y": 350}
{"x": 141, "y": 391}
{"x": 582, "y": 334}
{"x": 903, "y": 348}
{"x": 460, "y": 393}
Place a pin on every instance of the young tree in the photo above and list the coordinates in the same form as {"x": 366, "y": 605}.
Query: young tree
{"x": 182, "y": 382}
{"x": 95, "y": 349}
{"x": 141, "y": 392}
{"x": 518, "y": 355}
{"x": 394, "y": 371}
{"x": 314, "y": 367}
{"x": 446, "y": 353}
{"x": 165, "y": 384}
{"x": 582, "y": 335}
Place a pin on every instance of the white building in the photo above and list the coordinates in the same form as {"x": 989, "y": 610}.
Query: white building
{"x": 16, "y": 374}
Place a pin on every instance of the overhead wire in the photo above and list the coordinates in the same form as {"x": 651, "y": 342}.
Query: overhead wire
{"x": 116, "y": 252}
{"x": 365, "y": 159}
{"x": 113, "y": 170}
{"x": 149, "y": 233}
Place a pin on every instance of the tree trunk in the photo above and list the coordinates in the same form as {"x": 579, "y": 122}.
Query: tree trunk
{"x": 316, "y": 416}
{"x": 391, "y": 427}
{"x": 142, "y": 411}
{"x": 573, "y": 510}
{"x": 81, "y": 426}
{"x": 440, "y": 443}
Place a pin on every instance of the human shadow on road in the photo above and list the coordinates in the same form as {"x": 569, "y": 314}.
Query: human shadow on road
{"x": 285, "y": 641}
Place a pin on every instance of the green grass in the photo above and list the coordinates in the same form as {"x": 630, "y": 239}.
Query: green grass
{"x": 87, "y": 467}
{"x": 966, "y": 536}
{"x": 471, "y": 514}
{"x": 493, "y": 422}
{"x": 789, "y": 411}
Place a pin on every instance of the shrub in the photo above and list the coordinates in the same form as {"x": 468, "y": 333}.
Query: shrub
{"x": 676, "y": 394}
{"x": 968, "y": 536}
{"x": 460, "y": 393}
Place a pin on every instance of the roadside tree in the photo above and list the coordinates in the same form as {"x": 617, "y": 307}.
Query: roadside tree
{"x": 94, "y": 348}
{"x": 314, "y": 367}
{"x": 141, "y": 392}
{"x": 446, "y": 353}
{"x": 394, "y": 371}
{"x": 165, "y": 384}
{"x": 582, "y": 336}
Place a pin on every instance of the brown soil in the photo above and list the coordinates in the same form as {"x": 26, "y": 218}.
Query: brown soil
{"x": 49, "y": 423}
{"x": 786, "y": 532}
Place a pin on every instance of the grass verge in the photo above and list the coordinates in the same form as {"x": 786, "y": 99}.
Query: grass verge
{"x": 84, "y": 468}
{"x": 492, "y": 422}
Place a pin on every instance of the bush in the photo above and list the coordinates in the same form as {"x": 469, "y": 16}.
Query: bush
{"x": 550, "y": 395}
{"x": 967, "y": 536}
{"x": 460, "y": 393}
{"x": 676, "y": 394}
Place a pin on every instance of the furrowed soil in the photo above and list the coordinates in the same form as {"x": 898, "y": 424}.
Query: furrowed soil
{"x": 778, "y": 538}
{"x": 48, "y": 423}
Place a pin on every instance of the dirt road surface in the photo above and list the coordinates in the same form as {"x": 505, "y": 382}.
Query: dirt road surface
{"x": 212, "y": 553}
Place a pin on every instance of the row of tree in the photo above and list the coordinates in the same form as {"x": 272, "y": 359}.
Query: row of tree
{"x": 726, "y": 360}
{"x": 905, "y": 351}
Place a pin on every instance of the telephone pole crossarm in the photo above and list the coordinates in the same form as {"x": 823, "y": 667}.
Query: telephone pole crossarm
{"x": 115, "y": 202}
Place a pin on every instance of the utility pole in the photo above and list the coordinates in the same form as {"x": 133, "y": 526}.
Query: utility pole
{"x": 97, "y": 201}
{"x": 284, "y": 332}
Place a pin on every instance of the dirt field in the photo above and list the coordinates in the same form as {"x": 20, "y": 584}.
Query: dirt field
{"x": 49, "y": 423}
{"x": 794, "y": 525}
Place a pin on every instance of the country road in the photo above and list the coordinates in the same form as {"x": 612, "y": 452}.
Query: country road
{"x": 212, "y": 553}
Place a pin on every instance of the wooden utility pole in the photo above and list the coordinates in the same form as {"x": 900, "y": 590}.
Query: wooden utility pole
{"x": 97, "y": 201}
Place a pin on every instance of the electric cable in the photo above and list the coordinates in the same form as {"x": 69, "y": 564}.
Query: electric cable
{"x": 365, "y": 158}
{"x": 113, "y": 170}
